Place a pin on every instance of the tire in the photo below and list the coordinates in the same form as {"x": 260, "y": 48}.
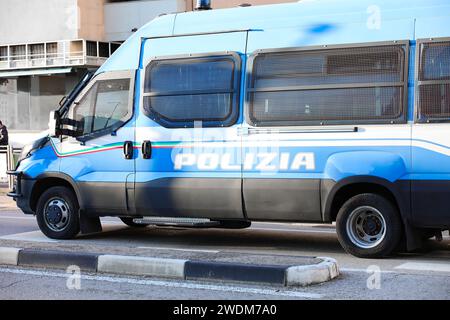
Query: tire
{"x": 57, "y": 213}
{"x": 129, "y": 222}
{"x": 369, "y": 226}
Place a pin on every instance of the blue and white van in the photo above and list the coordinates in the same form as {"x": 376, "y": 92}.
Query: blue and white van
{"x": 318, "y": 111}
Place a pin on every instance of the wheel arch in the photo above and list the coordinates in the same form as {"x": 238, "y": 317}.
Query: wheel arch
{"x": 334, "y": 194}
{"x": 88, "y": 224}
{"x": 52, "y": 179}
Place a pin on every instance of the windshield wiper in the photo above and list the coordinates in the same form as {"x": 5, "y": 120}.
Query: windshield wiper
{"x": 112, "y": 114}
{"x": 66, "y": 102}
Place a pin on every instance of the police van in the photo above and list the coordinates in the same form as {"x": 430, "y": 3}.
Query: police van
{"x": 319, "y": 111}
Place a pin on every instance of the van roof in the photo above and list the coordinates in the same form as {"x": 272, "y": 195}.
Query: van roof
{"x": 422, "y": 18}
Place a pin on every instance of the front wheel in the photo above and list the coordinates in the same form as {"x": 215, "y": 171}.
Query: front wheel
{"x": 369, "y": 226}
{"x": 57, "y": 213}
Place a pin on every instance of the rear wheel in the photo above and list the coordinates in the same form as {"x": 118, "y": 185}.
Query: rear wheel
{"x": 129, "y": 222}
{"x": 369, "y": 226}
{"x": 57, "y": 213}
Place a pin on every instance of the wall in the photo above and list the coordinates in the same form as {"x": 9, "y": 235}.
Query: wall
{"x": 122, "y": 17}
{"x": 88, "y": 19}
{"x": 218, "y": 4}
{"x": 37, "y": 20}
{"x": 92, "y": 19}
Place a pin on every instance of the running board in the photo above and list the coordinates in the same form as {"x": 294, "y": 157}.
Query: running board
{"x": 178, "y": 222}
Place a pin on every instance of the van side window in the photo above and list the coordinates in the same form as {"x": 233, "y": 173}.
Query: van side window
{"x": 84, "y": 110}
{"x": 434, "y": 82}
{"x": 105, "y": 105}
{"x": 328, "y": 86}
{"x": 179, "y": 92}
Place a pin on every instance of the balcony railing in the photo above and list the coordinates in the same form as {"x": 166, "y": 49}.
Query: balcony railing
{"x": 56, "y": 54}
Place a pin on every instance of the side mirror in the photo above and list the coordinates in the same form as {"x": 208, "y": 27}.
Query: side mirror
{"x": 53, "y": 123}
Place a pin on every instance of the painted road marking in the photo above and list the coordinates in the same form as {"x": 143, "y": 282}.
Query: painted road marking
{"x": 172, "y": 284}
{"x": 38, "y": 236}
{"x": 298, "y": 224}
{"x": 115, "y": 222}
{"x": 17, "y": 218}
{"x": 8, "y": 217}
{"x": 179, "y": 249}
{"x": 363, "y": 270}
{"x": 294, "y": 230}
{"x": 425, "y": 266}
{"x": 33, "y": 236}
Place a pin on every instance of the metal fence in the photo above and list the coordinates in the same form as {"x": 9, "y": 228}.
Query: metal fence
{"x": 11, "y": 156}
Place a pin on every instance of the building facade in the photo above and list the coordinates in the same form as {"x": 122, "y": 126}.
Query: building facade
{"x": 46, "y": 46}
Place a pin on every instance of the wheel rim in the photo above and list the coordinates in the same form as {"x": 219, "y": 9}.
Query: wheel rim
{"x": 366, "y": 227}
{"x": 57, "y": 214}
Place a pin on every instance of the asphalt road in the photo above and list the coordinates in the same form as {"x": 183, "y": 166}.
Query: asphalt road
{"x": 423, "y": 275}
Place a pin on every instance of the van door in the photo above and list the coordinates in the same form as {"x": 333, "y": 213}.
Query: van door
{"x": 430, "y": 185}
{"x": 319, "y": 115}
{"x": 95, "y": 160}
{"x": 187, "y": 129}
{"x": 431, "y": 136}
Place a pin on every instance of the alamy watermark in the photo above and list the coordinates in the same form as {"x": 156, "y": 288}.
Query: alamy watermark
{"x": 211, "y": 149}
{"x": 374, "y": 19}
{"x": 374, "y": 280}
{"x": 73, "y": 278}
{"x": 73, "y": 21}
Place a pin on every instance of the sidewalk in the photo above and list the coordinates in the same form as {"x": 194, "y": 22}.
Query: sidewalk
{"x": 188, "y": 265}
{"x": 6, "y": 202}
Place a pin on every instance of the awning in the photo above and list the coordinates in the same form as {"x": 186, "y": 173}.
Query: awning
{"x": 33, "y": 72}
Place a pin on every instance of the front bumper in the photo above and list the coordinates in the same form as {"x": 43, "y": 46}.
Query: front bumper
{"x": 17, "y": 187}
{"x": 21, "y": 192}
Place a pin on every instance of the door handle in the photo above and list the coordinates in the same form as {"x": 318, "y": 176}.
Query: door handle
{"x": 128, "y": 150}
{"x": 147, "y": 149}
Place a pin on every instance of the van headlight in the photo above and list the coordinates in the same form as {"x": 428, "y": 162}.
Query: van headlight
{"x": 29, "y": 149}
{"x": 26, "y": 152}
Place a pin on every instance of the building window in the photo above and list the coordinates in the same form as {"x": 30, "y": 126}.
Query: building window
{"x": 114, "y": 47}
{"x": 91, "y": 49}
{"x": 52, "y": 50}
{"x": 18, "y": 53}
{"x": 434, "y": 82}
{"x": 328, "y": 86}
{"x": 103, "y": 49}
{"x": 3, "y": 53}
{"x": 180, "y": 92}
{"x": 37, "y": 51}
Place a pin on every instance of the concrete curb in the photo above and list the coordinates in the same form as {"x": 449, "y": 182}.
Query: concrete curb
{"x": 57, "y": 259}
{"x": 168, "y": 268}
{"x": 303, "y": 275}
{"x": 9, "y": 256}
{"x": 206, "y": 270}
{"x": 307, "y": 275}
